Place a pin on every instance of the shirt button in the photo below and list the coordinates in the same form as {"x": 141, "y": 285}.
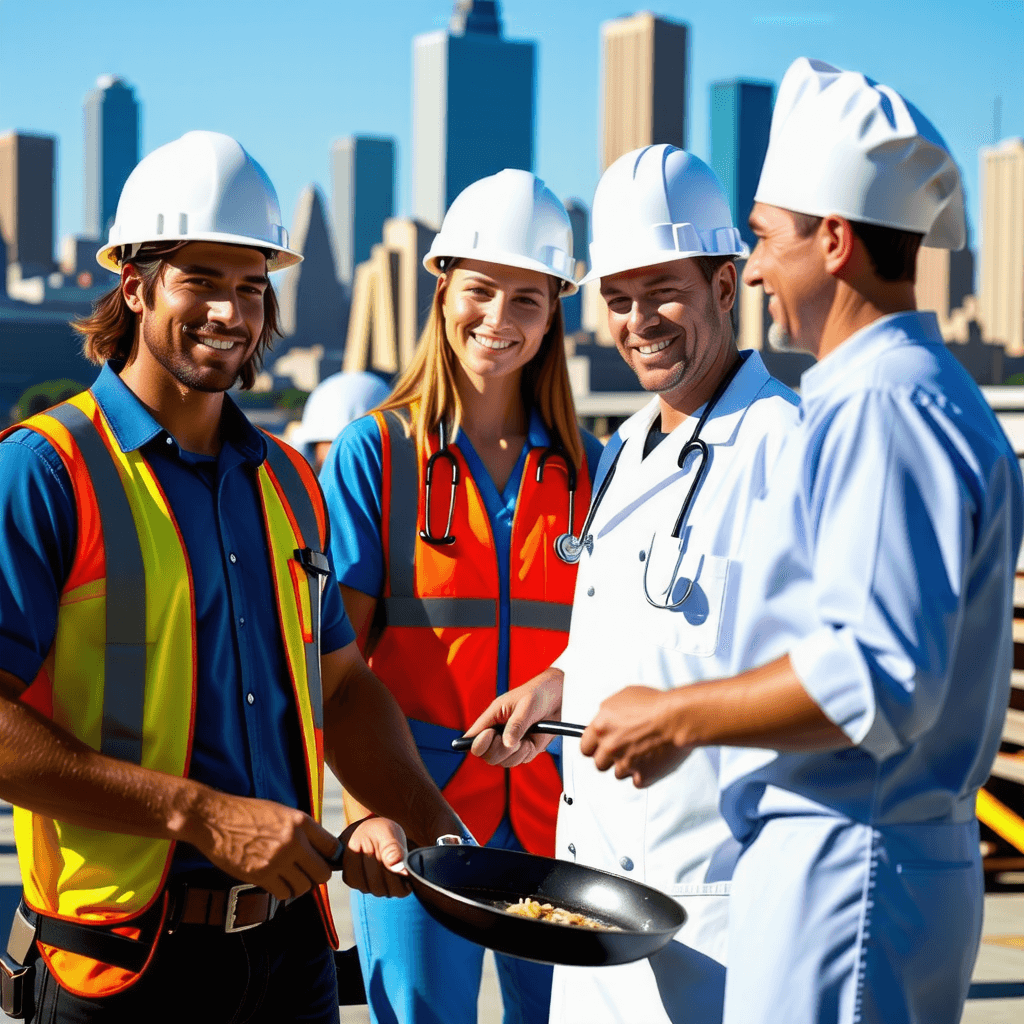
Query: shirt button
{"x": 590, "y": 591}
{"x": 250, "y": 698}
{"x": 170, "y": 440}
{"x": 626, "y": 863}
{"x": 241, "y": 620}
{"x": 231, "y": 558}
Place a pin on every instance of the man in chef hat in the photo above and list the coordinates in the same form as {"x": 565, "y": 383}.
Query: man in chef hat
{"x": 873, "y": 647}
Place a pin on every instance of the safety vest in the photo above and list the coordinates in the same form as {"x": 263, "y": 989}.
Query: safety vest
{"x": 121, "y": 674}
{"x": 438, "y": 647}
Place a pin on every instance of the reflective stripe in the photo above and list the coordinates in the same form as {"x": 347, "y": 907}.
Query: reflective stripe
{"x": 402, "y": 516}
{"x": 124, "y": 664}
{"x": 297, "y": 497}
{"x": 441, "y": 612}
{"x": 541, "y": 615}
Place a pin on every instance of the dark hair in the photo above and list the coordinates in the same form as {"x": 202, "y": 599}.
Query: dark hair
{"x": 709, "y": 265}
{"x": 892, "y": 251}
{"x": 110, "y": 331}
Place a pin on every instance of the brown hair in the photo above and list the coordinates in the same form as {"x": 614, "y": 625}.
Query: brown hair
{"x": 111, "y": 330}
{"x": 892, "y": 251}
{"x": 430, "y": 378}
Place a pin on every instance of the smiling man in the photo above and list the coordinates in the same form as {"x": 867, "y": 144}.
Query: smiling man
{"x": 659, "y": 573}
{"x": 175, "y": 660}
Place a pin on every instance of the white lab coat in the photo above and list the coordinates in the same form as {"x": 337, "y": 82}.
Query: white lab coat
{"x": 665, "y": 835}
{"x": 881, "y": 560}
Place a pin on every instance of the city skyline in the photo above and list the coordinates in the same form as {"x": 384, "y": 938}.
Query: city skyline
{"x": 288, "y": 112}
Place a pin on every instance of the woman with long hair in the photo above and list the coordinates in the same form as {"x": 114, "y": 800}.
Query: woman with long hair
{"x": 446, "y": 505}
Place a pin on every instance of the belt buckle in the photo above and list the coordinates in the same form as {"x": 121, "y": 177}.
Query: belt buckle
{"x": 229, "y": 915}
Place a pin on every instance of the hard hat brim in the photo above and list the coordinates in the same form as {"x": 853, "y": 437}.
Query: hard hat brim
{"x": 652, "y": 259}
{"x": 502, "y": 259}
{"x": 284, "y": 258}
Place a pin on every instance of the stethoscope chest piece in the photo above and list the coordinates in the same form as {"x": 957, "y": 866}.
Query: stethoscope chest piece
{"x": 569, "y": 548}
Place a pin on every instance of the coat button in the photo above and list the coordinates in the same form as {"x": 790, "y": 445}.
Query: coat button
{"x": 232, "y": 558}
{"x": 250, "y": 698}
{"x": 572, "y": 849}
{"x": 590, "y": 591}
{"x": 643, "y": 555}
{"x": 626, "y": 864}
{"x": 567, "y": 798}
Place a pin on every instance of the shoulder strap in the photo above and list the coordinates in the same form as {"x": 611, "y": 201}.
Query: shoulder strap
{"x": 124, "y": 686}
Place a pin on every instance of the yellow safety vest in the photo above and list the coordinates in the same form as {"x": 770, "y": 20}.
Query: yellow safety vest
{"x": 121, "y": 675}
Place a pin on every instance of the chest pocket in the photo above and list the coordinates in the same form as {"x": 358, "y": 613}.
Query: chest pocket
{"x": 694, "y": 626}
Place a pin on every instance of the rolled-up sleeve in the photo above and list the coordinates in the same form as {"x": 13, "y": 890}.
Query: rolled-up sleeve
{"x": 891, "y": 513}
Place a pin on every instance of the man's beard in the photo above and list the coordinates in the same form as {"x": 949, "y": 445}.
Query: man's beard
{"x": 779, "y": 339}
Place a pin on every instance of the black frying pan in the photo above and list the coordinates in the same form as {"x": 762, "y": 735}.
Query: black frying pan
{"x": 466, "y": 888}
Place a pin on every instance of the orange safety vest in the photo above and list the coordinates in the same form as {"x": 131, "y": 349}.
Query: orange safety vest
{"x": 121, "y": 674}
{"x": 438, "y": 647}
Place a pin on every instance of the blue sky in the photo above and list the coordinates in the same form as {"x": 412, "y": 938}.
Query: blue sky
{"x": 288, "y": 78}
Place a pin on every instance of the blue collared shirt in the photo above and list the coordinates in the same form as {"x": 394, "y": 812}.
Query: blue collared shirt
{"x": 246, "y": 739}
{"x": 881, "y": 560}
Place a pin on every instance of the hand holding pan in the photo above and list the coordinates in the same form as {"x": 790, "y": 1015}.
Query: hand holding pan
{"x": 546, "y": 726}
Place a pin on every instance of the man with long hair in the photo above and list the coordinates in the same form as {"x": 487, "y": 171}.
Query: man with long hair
{"x": 176, "y": 665}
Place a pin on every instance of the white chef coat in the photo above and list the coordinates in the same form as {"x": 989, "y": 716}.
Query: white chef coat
{"x": 882, "y": 561}
{"x": 664, "y": 835}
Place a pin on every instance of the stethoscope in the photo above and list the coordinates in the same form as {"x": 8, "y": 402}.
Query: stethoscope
{"x": 444, "y": 453}
{"x": 573, "y": 547}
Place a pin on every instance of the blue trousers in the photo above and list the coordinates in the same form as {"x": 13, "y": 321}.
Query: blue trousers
{"x": 418, "y": 972}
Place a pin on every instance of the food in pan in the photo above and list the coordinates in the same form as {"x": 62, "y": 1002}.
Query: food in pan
{"x": 556, "y": 915}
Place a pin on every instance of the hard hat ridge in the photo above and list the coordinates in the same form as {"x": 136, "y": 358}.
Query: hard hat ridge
{"x": 655, "y": 205}
{"x": 510, "y": 218}
{"x": 201, "y": 187}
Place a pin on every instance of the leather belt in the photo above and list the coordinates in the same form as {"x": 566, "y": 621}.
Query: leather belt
{"x": 234, "y": 910}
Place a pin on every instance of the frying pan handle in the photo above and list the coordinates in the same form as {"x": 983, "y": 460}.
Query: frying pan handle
{"x": 546, "y": 726}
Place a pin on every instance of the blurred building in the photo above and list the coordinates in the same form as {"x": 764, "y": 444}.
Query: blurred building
{"x": 27, "y": 195}
{"x": 473, "y": 106}
{"x": 391, "y": 298}
{"x": 645, "y": 70}
{"x": 579, "y": 218}
{"x": 943, "y": 281}
{"x": 314, "y": 303}
{"x": 741, "y": 116}
{"x": 1001, "y": 305}
{"x": 362, "y": 197}
{"x": 111, "y": 150}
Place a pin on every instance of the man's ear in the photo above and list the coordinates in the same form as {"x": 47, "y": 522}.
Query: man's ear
{"x": 131, "y": 288}
{"x": 836, "y": 241}
{"x": 724, "y": 284}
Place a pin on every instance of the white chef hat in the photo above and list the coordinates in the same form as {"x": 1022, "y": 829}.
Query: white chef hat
{"x": 842, "y": 144}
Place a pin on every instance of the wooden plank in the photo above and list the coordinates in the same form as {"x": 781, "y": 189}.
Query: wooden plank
{"x": 1009, "y": 767}
{"x": 1013, "y": 730}
{"x": 1018, "y": 631}
{"x": 1018, "y": 592}
{"x": 1017, "y": 678}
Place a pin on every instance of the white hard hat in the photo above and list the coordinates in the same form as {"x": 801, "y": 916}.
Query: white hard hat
{"x": 335, "y": 402}
{"x": 511, "y": 218}
{"x": 842, "y": 144}
{"x": 203, "y": 187}
{"x": 655, "y": 205}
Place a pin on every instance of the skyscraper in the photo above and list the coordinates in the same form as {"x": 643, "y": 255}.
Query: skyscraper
{"x": 362, "y": 197}
{"x": 111, "y": 149}
{"x": 27, "y": 194}
{"x": 473, "y": 106}
{"x": 572, "y": 305}
{"x": 645, "y": 83}
{"x": 1002, "y": 244}
{"x": 741, "y": 116}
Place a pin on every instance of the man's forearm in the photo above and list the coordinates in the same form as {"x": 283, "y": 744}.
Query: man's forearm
{"x": 46, "y": 770}
{"x": 763, "y": 707}
{"x": 368, "y": 745}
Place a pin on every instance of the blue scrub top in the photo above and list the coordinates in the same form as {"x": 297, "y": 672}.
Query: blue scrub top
{"x": 247, "y": 740}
